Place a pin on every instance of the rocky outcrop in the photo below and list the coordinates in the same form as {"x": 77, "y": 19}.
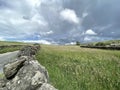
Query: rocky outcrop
{"x": 26, "y": 73}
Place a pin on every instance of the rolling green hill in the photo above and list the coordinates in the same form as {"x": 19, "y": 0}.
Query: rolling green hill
{"x": 104, "y": 43}
{"x": 112, "y": 42}
{"x": 7, "y": 46}
{"x": 4, "y": 43}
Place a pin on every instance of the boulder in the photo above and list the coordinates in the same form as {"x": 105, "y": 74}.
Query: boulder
{"x": 3, "y": 84}
{"x": 12, "y": 68}
{"x": 46, "y": 86}
{"x": 30, "y": 77}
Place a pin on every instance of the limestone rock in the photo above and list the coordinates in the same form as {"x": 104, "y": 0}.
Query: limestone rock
{"x": 3, "y": 84}
{"x": 12, "y": 68}
{"x": 46, "y": 86}
{"x": 28, "y": 50}
{"x": 30, "y": 77}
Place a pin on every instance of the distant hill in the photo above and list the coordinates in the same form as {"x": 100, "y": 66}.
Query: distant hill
{"x": 4, "y": 43}
{"x": 8, "y": 46}
{"x": 110, "y": 45}
{"x": 105, "y": 43}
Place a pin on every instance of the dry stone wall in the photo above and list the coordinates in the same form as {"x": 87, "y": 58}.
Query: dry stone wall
{"x": 26, "y": 73}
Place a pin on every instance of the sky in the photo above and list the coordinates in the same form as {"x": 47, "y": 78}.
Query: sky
{"x": 59, "y": 21}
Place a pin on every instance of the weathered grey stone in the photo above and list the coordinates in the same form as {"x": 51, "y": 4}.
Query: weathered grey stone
{"x": 12, "y": 68}
{"x": 46, "y": 86}
{"x": 26, "y": 73}
{"x": 29, "y": 77}
{"x": 4, "y": 88}
{"x": 3, "y": 84}
{"x": 29, "y": 50}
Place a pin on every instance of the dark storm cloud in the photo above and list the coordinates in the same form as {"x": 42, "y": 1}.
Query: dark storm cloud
{"x": 60, "y": 21}
{"x": 101, "y": 13}
{"x": 4, "y": 4}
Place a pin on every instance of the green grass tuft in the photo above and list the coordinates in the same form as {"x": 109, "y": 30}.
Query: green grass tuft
{"x": 1, "y": 75}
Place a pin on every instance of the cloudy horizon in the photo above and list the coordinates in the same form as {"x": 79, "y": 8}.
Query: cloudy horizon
{"x": 59, "y": 21}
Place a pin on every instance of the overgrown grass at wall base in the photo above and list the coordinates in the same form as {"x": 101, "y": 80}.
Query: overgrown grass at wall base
{"x": 73, "y": 68}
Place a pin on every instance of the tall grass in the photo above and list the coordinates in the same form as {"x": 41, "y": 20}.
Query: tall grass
{"x": 73, "y": 68}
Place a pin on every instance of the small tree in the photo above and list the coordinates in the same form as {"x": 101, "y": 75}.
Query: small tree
{"x": 77, "y": 43}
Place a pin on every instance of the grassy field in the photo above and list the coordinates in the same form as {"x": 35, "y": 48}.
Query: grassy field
{"x": 103, "y": 43}
{"x": 4, "y": 43}
{"x": 10, "y": 48}
{"x": 75, "y": 68}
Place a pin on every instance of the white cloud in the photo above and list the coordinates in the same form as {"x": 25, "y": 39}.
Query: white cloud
{"x": 94, "y": 38}
{"x": 39, "y": 19}
{"x": 17, "y": 21}
{"x": 34, "y": 2}
{"x": 87, "y": 39}
{"x": 113, "y": 32}
{"x": 37, "y": 41}
{"x": 71, "y": 43}
{"x": 22, "y": 20}
{"x": 50, "y": 32}
{"x": 90, "y": 32}
{"x": 69, "y": 15}
{"x": 2, "y": 39}
{"x": 46, "y": 33}
{"x": 84, "y": 14}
